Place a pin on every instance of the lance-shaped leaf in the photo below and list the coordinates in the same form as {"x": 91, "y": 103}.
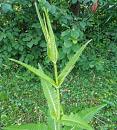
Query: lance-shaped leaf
{"x": 88, "y": 113}
{"x": 48, "y": 33}
{"x": 70, "y": 65}
{"x": 38, "y": 126}
{"x": 74, "y": 120}
{"x": 52, "y": 99}
{"x": 36, "y": 71}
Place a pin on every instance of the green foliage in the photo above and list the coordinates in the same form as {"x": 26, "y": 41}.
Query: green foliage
{"x": 6, "y": 7}
{"x": 37, "y": 72}
{"x": 22, "y": 37}
{"x": 89, "y": 113}
{"x": 75, "y": 121}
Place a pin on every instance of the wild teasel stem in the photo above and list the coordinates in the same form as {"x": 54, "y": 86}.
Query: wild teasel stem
{"x": 56, "y": 74}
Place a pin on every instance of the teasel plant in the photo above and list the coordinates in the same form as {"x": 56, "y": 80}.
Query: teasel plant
{"x": 57, "y": 119}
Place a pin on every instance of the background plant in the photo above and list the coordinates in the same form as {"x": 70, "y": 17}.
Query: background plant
{"x": 21, "y": 35}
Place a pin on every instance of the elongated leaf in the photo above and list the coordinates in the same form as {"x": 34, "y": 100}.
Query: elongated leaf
{"x": 48, "y": 33}
{"x": 38, "y": 126}
{"x": 37, "y": 72}
{"x": 76, "y": 121}
{"x": 51, "y": 97}
{"x": 52, "y": 49}
{"x": 89, "y": 113}
{"x": 70, "y": 65}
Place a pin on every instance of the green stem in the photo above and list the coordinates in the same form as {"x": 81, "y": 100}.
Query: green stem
{"x": 57, "y": 125}
{"x": 56, "y": 73}
{"x": 58, "y": 96}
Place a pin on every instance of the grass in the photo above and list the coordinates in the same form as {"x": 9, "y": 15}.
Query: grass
{"x": 22, "y": 97}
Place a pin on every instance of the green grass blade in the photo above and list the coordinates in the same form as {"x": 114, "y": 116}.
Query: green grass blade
{"x": 70, "y": 65}
{"x": 88, "y": 113}
{"x": 36, "y": 71}
{"x": 74, "y": 120}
